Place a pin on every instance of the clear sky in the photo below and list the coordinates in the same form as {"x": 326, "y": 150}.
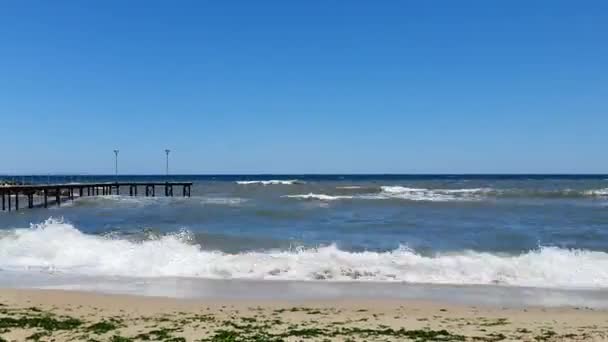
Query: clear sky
{"x": 304, "y": 86}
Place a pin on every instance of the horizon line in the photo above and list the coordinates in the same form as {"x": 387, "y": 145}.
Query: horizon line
{"x": 303, "y": 174}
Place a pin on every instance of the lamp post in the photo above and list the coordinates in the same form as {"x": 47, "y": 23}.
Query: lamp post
{"x": 167, "y": 163}
{"x": 116, "y": 165}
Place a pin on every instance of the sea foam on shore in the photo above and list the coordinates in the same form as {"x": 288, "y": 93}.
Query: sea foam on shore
{"x": 56, "y": 246}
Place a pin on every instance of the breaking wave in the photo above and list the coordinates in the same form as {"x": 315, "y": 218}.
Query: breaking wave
{"x": 597, "y": 192}
{"x": 55, "y": 246}
{"x": 399, "y": 192}
{"x": 443, "y": 195}
{"x": 321, "y": 197}
{"x": 270, "y": 182}
{"x": 418, "y": 194}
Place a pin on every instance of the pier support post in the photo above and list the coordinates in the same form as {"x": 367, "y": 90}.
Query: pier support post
{"x": 117, "y": 189}
{"x": 58, "y": 196}
{"x": 80, "y": 192}
{"x": 3, "y": 201}
{"x": 30, "y": 200}
{"x": 88, "y": 191}
{"x": 71, "y": 194}
{"x": 131, "y": 190}
{"x": 16, "y": 200}
{"x": 9, "y": 201}
{"x": 147, "y": 191}
{"x": 46, "y": 198}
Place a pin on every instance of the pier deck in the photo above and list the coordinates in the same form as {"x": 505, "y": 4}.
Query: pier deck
{"x": 70, "y": 190}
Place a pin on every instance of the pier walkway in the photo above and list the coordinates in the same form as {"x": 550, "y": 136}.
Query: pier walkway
{"x": 68, "y": 191}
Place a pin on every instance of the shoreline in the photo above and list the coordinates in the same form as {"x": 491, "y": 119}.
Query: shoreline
{"x": 91, "y": 316}
{"x": 250, "y": 289}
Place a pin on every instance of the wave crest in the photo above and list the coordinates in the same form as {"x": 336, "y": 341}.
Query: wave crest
{"x": 321, "y": 197}
{"x": 421, "y": 194}
{"x": 60, "y": 247}
{"x": 270, "y": 182}
{"x": 597, "y": 192}
{"x": 444, "y": 195}
{"x": 400, "y": 192}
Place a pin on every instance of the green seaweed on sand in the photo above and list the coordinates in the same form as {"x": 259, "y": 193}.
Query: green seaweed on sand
{"x": 45, "y": 322}
{"x": 37, "y": 336}
{"x": 242, "y": 333}
{"x": 545, "y": 335}
{"x": 491, "y": 323}
{"x": 494, "y": 337}
{"x": 118, "y": 338}
{"x": 160, "y": 334}
{"x": 102, "y": 327}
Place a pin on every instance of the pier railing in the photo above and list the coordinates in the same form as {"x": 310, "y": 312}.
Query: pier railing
{"x": 11, "y": 193}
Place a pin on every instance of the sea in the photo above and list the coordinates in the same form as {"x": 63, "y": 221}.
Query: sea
{"x": 320, "y": 235}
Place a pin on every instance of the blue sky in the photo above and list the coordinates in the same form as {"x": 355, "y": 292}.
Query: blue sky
{"x": 304, "y": 86}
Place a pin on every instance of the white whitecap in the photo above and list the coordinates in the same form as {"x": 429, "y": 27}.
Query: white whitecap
{"x": 321, "y": 197}
{"x": 405, "y": 193}
{"x": 597, "y": 192}
{"x": 270, "y": 182}
{"x": 422, "y": 194}
{"x": 60, "y": 247}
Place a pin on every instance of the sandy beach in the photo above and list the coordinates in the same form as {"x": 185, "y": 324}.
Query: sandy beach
{"x": 56, "y": 315}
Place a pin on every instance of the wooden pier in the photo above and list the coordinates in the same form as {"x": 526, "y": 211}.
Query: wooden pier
{"x": 58, "y": 192}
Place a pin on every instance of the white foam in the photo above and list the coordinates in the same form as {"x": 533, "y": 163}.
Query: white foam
{"x": 421, "y": 194}
{"x": 321, "y": 197}
{"x": 270, "y": 182}
{"x": 350, "y": 187}
{"x": 59, "y": 247}
{"x": 597, "y": 192}
{"x": 412, "y": 194}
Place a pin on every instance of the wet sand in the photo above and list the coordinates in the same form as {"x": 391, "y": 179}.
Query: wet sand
{"x": 60, "y": 315}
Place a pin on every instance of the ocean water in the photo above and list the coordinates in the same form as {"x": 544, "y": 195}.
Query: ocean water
{"x": 514, "y": 231}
